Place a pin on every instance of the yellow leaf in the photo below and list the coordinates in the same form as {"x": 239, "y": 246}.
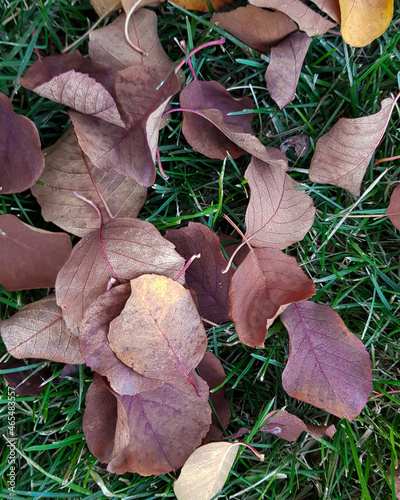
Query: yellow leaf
{"x": 364, "y": 20}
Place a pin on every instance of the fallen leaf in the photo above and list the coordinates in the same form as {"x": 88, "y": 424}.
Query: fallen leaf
{"x": 26, "y": 382}
{"x": 105, "y": 7}
{"x": 342, "y": 155}
{"x": 204, "y": 275}
{"x": 212, "y": 371}
{"x": 100, "y": 419}
{"x": 396, "y": 479}
{"x": 278, "y": 214}
{"x": 330, "y": 7}
{"x": 159, "y": 333}
{"x": 21, "y": 160}
{"x": 129, "y": 152}
{"x": 201, "y": 5}
{"x": 309, "y": 21}
{"x": 108, "y": 45}
{"x": 362, "y": 22}
{"x": 230, "y": 246}
{"x": 133, "y": 247}
{"x": 205, "y": 472}
{"x": 39, "y": 331}
{"x": 266, "y": 280}
{"x": 283, "y": 72}
{"x": 67, "y": 171}
{"x": 95, "y": 348}
{"x": 300, "y": 143}
{"x": 257, "y": 28}
{"x": 318, "y": 431}
{"x": 393, "y": 210}
{"x": 30, "y": 257}
{"x": 161, "y": 427}
{"x": 84, "y": 85}
{"x": 328, "y": 366}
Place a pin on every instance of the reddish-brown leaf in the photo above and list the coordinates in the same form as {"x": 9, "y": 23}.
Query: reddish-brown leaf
{"x": 68, "y": 170}
{"x": 133, "y": 247}
{"x": 26, "y": 382}
{"x": 342, "y": 155}
{"x": 328, "y": 366}
{"x": 395, "y": 482}
{"x": 30, "y": 257}
{"x": 266, "y": 280}
{"x": 285, "y": 65}
{"x": 212, "y": 371}
{"x": 300, "y": 143}
{"x": 39, "y": 331}
{"x": 204, "y": 275}
{"x": 108, "y": 45}
{"x": 330, "y": 7}
{"x": 259, "y": 29}
{"x": 100, "y": 419}
{"x": 308, "y": 20}
{"x": 159, "y": 333}
{"x": 84, "y": 85}
{"x": 393, "y": 210}
{"x": 129, "y": 152}
{"x": 161, "y": 428}
{"x": 278, "y": 214}
{"x": 230, "y": 245}
{"x": 96, "y": 350}
{"x": 21, "y": 160}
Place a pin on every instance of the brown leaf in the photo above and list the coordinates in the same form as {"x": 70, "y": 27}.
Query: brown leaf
{"x": 20, "y": 167}
{"x": 266, "y": 280}
{"x": 133, "y": 247}
{"x": 30, "y": 257}
{"x": 159, "y": 333}
{"x": 161, "y": 428}
{"x": 212, "y": 371}
{"x": 105, "y": 7}
{"x": 100, "y": 419}
{"x": 229, "y": 245}
{"x": 68, "y": 170}
{"x": 259, "y": 29}
{"x": 201, "y": 5}
{"x": 29, "y": 381}
{"x": 96, "y": 350}
{"x": 342, "y": 155}
{"x": 284, "y": 69}
{"x": 328, "y": 366}
{"x": 318, "y": 431}
{"x": 308, "y": 20}
{"x": 393, "y": 210}
{"x": 204, "y": 275}
{"x": 395, "y": 482}
{"x": 278, "y": 214}
{"x": 205, "y": 472}
{"x": 84, "y": 85}
{"x": 300, "y": 143}
{"x": 129, "y": 152}
{"x": 39, "y": 331}
{"x": 108, "y": 45}
{"x": 362, "y": 22}
{"x": 330, "y": 7}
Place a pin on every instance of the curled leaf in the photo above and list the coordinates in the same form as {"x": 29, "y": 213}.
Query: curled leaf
{"x": 328, "y": 366}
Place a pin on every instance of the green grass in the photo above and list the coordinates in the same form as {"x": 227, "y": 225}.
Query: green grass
{"x": 353, "y": 260}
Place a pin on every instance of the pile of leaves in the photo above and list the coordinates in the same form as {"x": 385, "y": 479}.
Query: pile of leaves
{"x": 131, "y": 303}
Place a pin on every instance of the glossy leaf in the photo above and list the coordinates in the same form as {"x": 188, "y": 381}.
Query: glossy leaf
{"x": 328, "y": 366}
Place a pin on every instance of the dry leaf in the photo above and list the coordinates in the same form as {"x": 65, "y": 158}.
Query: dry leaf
{"x": 201, "y": 5}
{"x": 39, "y": 331}
{"x": 300, "y": 143}
{"x": 28, "y": 382}
{"x": 67, "y": 171}
{"x": 22, "y": 161}
{"x": 362, "y": 21}
{"x": 284, "y": 69}
{"x": 266, "y": 280}
{"x": 308, "y": 20}
{"x": 278, "y": 214}
{"x": 328, "y": 366}
{"x": 393, "y": 210}
{"x": 105, "y": 7}
{"x": 30, "y": 257}
{"x": 133, "y": 247}
{"x": 342, "y": 155}
{"x": 205, "y": 472}
{"x": 95, "y": 347}
{"x": 257, "y": 28}
{"x": 330, "y": 7}
{"x": 396, "y": 479}
{"x": 204, "y": 275}
{"x": 159, "y": 333}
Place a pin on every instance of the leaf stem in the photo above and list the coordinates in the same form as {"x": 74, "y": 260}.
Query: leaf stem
{"x": 221, "y": 41}
{"x": 160, "y": 167}
{"x": 256, "y": 453}
{"x": 127, "y": 36}
{"x": 192, "y": 258}
{"x": 244, "y": 242}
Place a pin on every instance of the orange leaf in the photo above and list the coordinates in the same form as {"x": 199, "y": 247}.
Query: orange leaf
{"x": 201, "y": 5}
